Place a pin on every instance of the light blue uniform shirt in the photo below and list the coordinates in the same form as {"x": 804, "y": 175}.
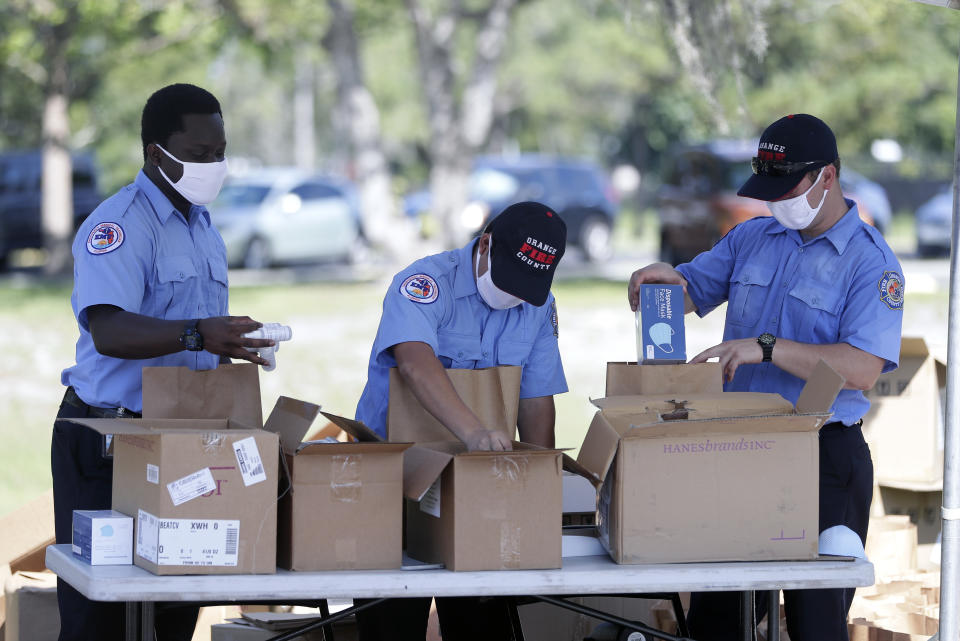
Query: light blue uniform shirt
{"x": 844, "y": 286}
{"x": 138, "y": 253}
{"x": 435, "y": 301}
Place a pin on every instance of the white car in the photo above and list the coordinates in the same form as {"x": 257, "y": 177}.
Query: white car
{"x": 279, "y": 215}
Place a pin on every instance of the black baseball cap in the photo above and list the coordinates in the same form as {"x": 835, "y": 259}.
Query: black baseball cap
{"x": 788, "y": 149}
{"x": 528, "y": 239}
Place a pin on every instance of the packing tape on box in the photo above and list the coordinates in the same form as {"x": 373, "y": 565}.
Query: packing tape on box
{"x": 212, "y": 441}
{"x": 345, "y": 483}
{"x": 511, "y": 469}
{"x": 950, "y": 513}
{"x": 509, "y": 545}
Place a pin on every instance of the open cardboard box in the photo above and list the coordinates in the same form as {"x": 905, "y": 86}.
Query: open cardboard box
{"x": 709, "y": 477}
{"x": 908, "y": 458}
{"x": 202, "y": 490}
{"x": 344, "y": 510}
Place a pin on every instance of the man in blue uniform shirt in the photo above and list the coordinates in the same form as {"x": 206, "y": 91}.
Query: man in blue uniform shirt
{"x": 811, "y": 282}
{"x": 150, "y": 289}
{"x": 486, "y": 304}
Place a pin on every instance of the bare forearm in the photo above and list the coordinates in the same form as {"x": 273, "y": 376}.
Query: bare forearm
{"x": 123, "y": 334}
{"x": 536, "y": 419}
{"x": 859, "y": 368}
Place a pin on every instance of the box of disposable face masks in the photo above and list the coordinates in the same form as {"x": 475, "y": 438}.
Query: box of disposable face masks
{"x": 103, "y": 537}
{"x": 660, "y": 332}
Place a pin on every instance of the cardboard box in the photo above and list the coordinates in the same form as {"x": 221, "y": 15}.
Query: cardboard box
{"x": 709, "y": 477}
{"x": 923, "y": 508}
{"x": 344, "y": 510}
{"x": 103, "y": 537}
{"x": 203, "y": 490}
{"x": 626, "y": 379}
{"x": 31, "y": 604}
{"x": 661, "y": 337}
{"x": 25, "y": 534}
{"x": 910, "y": 459}
{"x": 492, "y": 393}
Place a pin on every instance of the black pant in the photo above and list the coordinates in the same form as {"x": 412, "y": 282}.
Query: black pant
{"x": 82, "y": 480}
{"x": 461, "y": 619}
{"x": 846, "y": 489}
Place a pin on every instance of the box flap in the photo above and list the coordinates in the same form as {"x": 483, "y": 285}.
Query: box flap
{"x": 771, "y": 424}
{"x": 492, "y": 393}
{"x": 696, "y": 405}
{"x": 913, "y": 346}
{"x": 145, "y": 426}
{"x": 229, "y": 391}
{"x": 327, "y": 449}
{"x": 421, "y": 467}
{"x": 356, "y": 429}
{"x": 519, "y": 447}
{"x": 291, "y": 420}
{"x": 27, "y": 530}
{"x": 571, "y": 465}
{"x": 820, "y": 390}
{"x": 630, "y": 378}
{"x": 599, "y": 446}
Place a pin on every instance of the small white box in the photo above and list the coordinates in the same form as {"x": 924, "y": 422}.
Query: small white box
{"x": 103, "y": 537}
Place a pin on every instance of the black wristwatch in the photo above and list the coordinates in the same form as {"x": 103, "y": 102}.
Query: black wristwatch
{"x": 191, "y": 339}
{"x": 766, "y": 341}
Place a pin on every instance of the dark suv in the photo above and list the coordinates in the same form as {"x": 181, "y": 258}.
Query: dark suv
{"x": 21, "y": 198}
{"x": 578, "y": 189}
{"x": 698, "y": 203}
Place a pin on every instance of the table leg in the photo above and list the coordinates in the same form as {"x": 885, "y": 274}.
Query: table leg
{"x": 747, "y": 616}
{"x": 131, "y": 621}
{"x": 773, "y": 616}
{"x": 147, "y": 632}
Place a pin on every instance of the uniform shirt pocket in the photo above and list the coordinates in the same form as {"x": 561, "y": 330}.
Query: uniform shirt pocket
{"x": 749, "y": 288}
{"x": 458, "y": 351}
{"x": 513, "y": 352}
{"x": 817, "y": 305}
{"x": 218, "y": 274}
{"x": 176, "y": 282}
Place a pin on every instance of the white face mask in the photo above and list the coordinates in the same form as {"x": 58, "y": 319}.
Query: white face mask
{"x": 490, "y": 293}
{"x": 796, "y": 213}
{"x": 200, "y": 182}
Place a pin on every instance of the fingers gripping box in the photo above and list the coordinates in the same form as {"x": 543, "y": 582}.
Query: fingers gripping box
{"x": 660, "y": 331}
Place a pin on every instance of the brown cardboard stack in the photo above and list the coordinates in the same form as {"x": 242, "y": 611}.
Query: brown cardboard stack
{"x": 198, "y": 473}
{"x": 675, "y": 469}
{"x": 477, "y": 510}
{"x": 344, "y": 507}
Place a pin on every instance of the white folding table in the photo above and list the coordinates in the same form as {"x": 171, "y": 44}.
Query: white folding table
{"x": 590, "y": 575}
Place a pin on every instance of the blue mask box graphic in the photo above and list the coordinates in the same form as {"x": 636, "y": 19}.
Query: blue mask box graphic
{"x": 661, "y": 336}
{"x": 103, "y": 537}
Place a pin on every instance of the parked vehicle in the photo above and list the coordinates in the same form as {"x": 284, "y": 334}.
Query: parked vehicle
{"x": 698, "y": 202}
{"x": 932, "y": 221}
{"x": 21, "y": 198}
{"x": 283, "y": 215}
{"x": 578, "y": 190}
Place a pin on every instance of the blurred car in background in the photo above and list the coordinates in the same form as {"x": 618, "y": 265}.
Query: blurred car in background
{"x": 932, "y": 221}
{"x": 697, "y": 203}
{"x": 280, "y": 215}
{"x": 578, "y": 190}
{"x": 21, "y": 198}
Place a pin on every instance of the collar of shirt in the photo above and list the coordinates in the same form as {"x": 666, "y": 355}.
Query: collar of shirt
{"x": 162, "y": 206}
{"x": 839, "y": 235}
{"x": 464, "y": 284}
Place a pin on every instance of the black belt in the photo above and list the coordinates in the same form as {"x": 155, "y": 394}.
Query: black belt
{"x": 838, "y": 425}
{"x": 71, "y": 398}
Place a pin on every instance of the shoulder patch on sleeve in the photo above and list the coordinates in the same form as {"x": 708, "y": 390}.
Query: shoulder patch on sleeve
{"x": 420, "y": 288}
{"x": 891, "y": 289}
{"x": 104, "y": 238}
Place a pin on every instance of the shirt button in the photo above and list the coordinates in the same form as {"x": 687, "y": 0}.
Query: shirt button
{"x": 800, "y": 250}
{"x": 180, "y": 275}
{"x": 459, "y": 354}
{"x": 773, "y": 319}
{"x": 484, "y": 354}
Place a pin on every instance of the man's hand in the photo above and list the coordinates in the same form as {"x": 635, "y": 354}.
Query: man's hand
{"x": 224, "y": 335}
{"x": 655, "y": 273}
{"x": 732, "y": 354}
{"x": 481, "y": 440}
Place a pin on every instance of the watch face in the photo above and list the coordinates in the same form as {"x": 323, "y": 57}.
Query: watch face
{"x": 766, "y": 339}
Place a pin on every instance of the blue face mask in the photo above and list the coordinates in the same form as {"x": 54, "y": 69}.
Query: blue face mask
{"x": 662, "y": 336}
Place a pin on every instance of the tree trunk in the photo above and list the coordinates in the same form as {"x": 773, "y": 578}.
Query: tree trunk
{"x": 358, "y": 111}
{"x": 57, "y": 180}
{"x": 304, "y": 138}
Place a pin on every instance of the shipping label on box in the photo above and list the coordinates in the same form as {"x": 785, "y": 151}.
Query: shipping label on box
{"x": 660, "y": 331}
{"x": 187, "y": 542}
{"x": 103, "y": 537}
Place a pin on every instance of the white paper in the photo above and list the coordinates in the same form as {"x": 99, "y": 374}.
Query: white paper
{"x": 248, "y": 458}
{"x": 147, "y": 532}
{"x": 430, "y": 503}
{"x": 198, "y": 542}
{"x": 191, "y": 486}
{"x": 153, "y": 474}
